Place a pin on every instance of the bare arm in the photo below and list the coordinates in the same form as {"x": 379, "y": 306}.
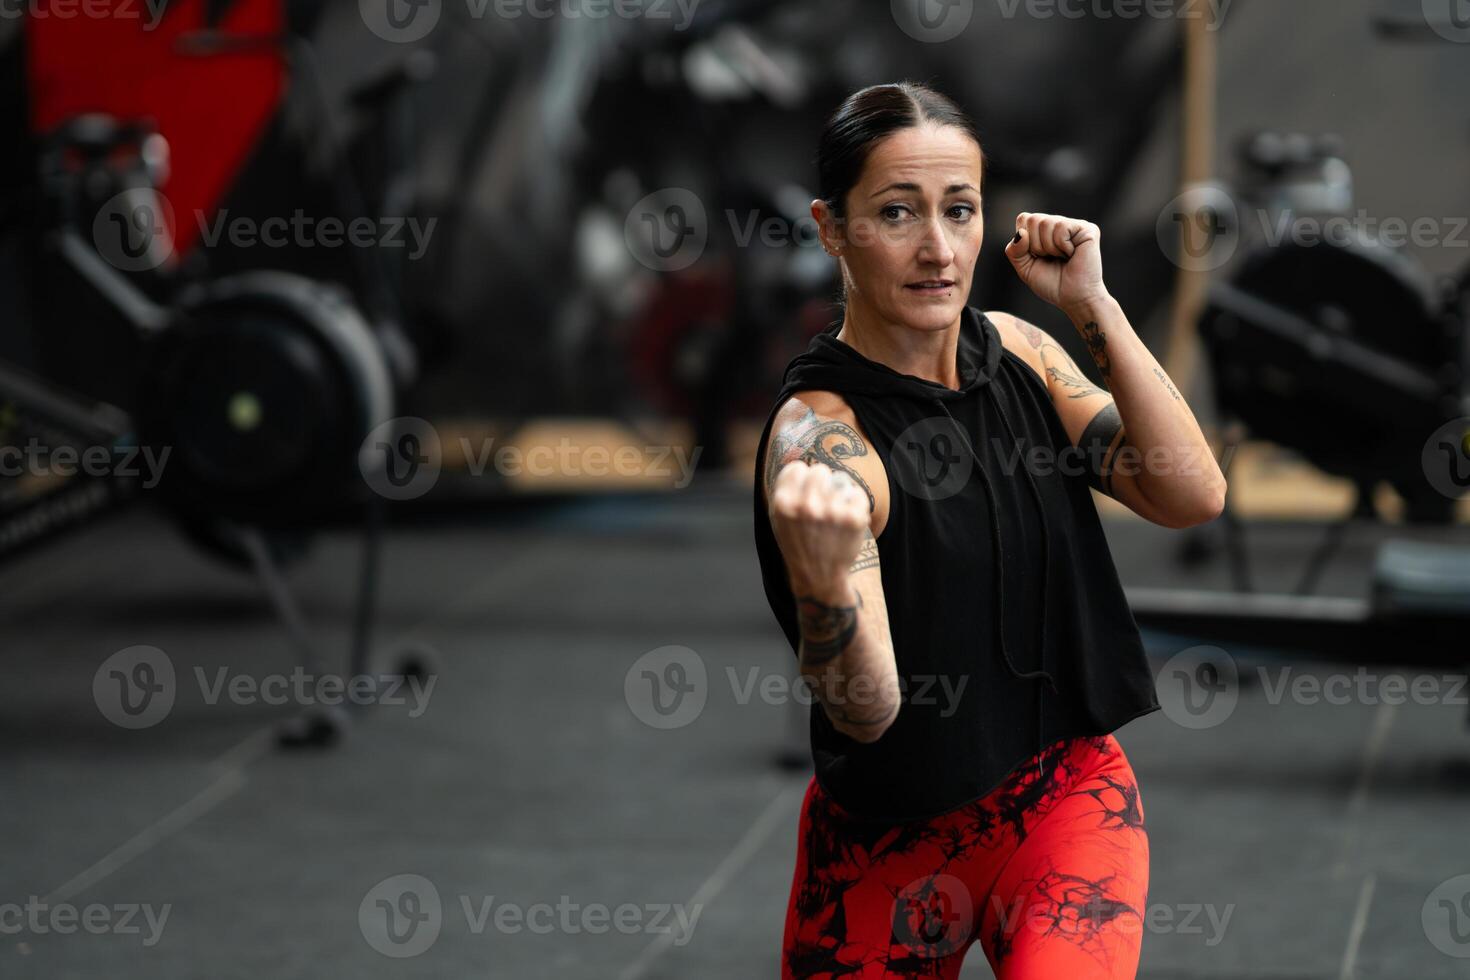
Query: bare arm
{"x": 1160, "y": 464}
{"x": 1140, "y": 441}
{"x": 819, "y": 479}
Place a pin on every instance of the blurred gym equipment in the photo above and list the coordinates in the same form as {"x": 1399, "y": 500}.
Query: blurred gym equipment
{"x": 1343, "y": 349}
{"x": 261, "y": 386}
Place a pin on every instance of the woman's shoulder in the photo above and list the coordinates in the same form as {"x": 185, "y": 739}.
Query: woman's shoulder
{"x": 815, "y": 418}
{"x": 820, "y": 426}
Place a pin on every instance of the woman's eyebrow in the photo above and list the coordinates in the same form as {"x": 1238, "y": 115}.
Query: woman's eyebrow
{"x": 905, "y": 186}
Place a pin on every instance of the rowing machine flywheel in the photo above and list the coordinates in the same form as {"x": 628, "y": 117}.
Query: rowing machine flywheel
{"x": 262, "y": 391}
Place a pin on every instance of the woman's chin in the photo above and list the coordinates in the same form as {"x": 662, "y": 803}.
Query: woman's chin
{"x": 933, "y": 313}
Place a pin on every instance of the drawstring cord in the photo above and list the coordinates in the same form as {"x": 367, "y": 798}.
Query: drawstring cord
{"x": 998, "y": 554}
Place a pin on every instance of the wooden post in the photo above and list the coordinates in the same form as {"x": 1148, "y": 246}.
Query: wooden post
{"x": 1197, "y": 128}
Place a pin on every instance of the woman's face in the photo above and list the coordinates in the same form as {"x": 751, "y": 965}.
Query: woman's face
{"x": 913, "y": 219}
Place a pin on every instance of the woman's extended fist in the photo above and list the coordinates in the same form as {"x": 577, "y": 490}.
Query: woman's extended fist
{"x": 819, "y": 516}
{"x": 1059, "y": 258}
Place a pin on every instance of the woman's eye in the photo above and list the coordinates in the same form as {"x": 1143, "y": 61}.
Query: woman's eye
{"x": 893, "y": 212}
{"x": 964, "y": 210}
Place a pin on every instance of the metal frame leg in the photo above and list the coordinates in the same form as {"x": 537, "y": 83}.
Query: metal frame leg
{"x": 322, "y": 725}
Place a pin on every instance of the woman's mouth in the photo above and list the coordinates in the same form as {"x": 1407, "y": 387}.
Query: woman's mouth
{"x": 931, "y": 287}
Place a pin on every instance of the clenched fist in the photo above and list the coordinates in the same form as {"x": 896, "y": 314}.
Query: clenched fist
{"x": 819, "y": 516}
{"x": 1060, "y": 258}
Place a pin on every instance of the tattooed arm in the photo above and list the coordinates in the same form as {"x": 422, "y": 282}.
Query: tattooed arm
{"x": 827, "y": 495}
{"x": 1158, "y": 464}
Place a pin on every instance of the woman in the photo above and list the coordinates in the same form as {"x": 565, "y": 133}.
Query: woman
{"x": 929, "y": 545}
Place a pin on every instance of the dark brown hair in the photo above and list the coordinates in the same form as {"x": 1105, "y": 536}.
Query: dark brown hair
{"x": 869, "y": 115}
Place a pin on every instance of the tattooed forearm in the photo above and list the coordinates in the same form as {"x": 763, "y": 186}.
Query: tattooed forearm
{"x": 1101, "y": 441}
{"x": 1167, "y": 383}
{"x": 813, "y": 439}
{"x": 826, "y": 631}
{"x": 867, "y": 554}
{"x": 1097, "y": 345}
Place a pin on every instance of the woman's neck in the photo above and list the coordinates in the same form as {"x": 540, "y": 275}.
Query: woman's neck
{"x": 927, "y": 354}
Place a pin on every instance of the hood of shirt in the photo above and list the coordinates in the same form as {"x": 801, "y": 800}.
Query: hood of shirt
{"x": 829, "y": 364}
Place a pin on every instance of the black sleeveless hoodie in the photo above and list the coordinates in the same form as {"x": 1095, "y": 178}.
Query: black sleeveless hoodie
{"x": 1010, "y": 627}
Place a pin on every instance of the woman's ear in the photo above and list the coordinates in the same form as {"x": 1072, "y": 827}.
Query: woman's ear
{"x": 828, "y": 227}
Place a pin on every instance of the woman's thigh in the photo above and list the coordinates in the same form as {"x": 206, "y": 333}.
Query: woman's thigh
{"x": 1071, "y": 899}
{"x": 872, "y": 903}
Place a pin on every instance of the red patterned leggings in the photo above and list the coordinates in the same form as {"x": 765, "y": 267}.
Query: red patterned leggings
{"x": 1049, "y": 873}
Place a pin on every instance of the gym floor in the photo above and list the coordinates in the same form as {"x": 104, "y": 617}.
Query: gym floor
{"x": 1291, "y": 840}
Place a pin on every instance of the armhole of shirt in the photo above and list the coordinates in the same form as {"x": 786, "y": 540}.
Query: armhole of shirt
{"x": 883, "y": 460}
